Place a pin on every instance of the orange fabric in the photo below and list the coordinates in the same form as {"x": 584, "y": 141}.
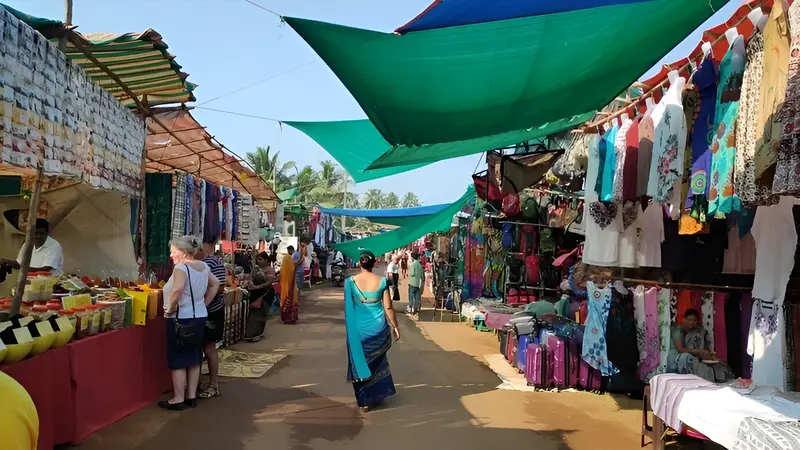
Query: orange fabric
{"x": 287, "y": 279}
{"x": 690, "y": 225}
{"x": 684, "y": 304}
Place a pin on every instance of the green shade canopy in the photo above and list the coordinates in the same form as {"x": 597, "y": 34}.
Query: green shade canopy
{"x": 362, "y": 151}
{"x": 499, "y": 80}
{"x": 411, "y": 231}
{"x": 355, "y": 144}
{"x": 287, "y": 194}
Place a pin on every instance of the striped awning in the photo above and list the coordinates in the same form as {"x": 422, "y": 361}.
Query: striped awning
{"x": 176, "y": 141}
{"x": 140, "y": 60}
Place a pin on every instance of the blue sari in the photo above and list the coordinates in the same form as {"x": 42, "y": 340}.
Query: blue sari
{"x": 369, "y": 337}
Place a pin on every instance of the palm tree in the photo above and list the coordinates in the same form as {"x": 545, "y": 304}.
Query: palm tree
{"x": 330, "y": 184}
{"x": 269, "y": 168}
{"x": 410, "y": 200}
{"x": 391, "y": 201}
{"x": 305, "y": 181}
{"x": 373, "y": 199}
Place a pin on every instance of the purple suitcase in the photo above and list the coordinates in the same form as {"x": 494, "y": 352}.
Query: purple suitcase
{"x": 535, "y": 365}
{"x": 557, "y": 353}
{"x": 513, "y": 344}
{"x": 589, "y": 378}
{"x": 522, "y": 352}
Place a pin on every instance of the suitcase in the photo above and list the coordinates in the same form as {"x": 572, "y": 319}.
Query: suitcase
{"x": 557, "y": 358}
{"x": 511, "y": 352}
{"x": 522, "y": 352}
{"x": 504, "y": 332}
{"x": 573, "y": 362}
{"x": 535, "y": 365}
{"x": 589, "y": 378}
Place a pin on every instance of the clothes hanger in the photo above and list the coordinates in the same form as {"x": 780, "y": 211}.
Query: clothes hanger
{"x": 707, "y": 50}
{"x": 730, "y": 35}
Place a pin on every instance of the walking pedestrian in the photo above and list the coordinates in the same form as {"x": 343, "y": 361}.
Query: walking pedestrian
{"x": 371, "y": 323}
{"x": 393, "y": 274}
{"x": 289, "y": 292}
{"x": 415, "y": 283}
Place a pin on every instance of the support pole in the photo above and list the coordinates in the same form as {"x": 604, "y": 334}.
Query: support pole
{"x": 27, "y": 248}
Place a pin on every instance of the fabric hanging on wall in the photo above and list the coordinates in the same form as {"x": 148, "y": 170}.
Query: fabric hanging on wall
{"x": 473, "y": 266}
{"x": 495, "y": 264}
{"x": 159, "y": 205}
{"x": 179, "y": 206}
{"x": 720, "y": 326}
{"x": 522, "y": 171}
{"x": 134, "y": 206}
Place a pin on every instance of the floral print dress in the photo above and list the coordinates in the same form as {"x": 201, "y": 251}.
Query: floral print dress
{"x": 652, "y": 356}
{"x": 705, "y": 79}
{"x": 595, "y": 345}
{"x": 787, "y": 170}
{"x": 744, "y": 180}
{"x": 669, "y": 145}
{"x": 664, "y": 331}
{"x": 722, "y": 198}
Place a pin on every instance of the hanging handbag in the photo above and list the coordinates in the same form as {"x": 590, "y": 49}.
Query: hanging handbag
{"x": 189, "y": 334}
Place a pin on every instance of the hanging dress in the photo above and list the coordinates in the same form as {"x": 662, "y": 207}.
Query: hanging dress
{"x": 669, "y": 145}
{"x": 787, "y": 169}
{"x": 720, "y": 328}
{"x": 744, "y": 180}
{"x": 705, "y": 79}
{"x": 722, "y": 198}
{"x": 595, "y": 345}
{"x": 620, "y": 147}
{"x": 640, "y": 314}
{"x": 664, "y": 329}
{"x": 652, "y": 356}
{"x": 773, "y": 93}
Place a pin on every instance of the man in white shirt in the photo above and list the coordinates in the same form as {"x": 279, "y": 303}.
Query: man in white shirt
{"x": 47, "y": 255}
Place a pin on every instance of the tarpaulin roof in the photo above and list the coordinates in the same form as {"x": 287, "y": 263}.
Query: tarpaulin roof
{"x": 287, "y": 194}
{"x": 413, "y": 230}
{"x": 201, "y": 155}
{"x": 499, "y": 80}
{"x": 357, "y": 145}
{"x": 139, "y": 60}
{"x": 451, "y": 13}
{"x": 391, "y": 216}
{"x": 354, "y": 144}
{"x": 385, "y": 213}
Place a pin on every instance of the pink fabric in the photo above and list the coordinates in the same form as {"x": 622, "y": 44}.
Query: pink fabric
{"x": 740, "y": 256}
{"x": 651, "y": 361}
{"x": 720, "y": 331}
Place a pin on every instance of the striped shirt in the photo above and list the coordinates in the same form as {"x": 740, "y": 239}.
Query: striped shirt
{"x": 217, "y": 268}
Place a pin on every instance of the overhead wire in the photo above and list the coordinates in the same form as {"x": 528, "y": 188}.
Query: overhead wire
{"x": 263, "y": 80}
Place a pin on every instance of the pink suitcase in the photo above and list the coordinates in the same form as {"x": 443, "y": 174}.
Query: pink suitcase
{"x": 573, "y": 362}
{"x": 557, "y": 355}
{"x": 513, "y": 344}
{"x": 535, "y": 365}
{"x": 589, "y": 378}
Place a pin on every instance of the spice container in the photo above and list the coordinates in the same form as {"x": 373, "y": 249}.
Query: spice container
{"x": 39, "y": 313}
{"x": 93, "y": 312}
{"x": 36, "y": 287}
{"x": 48, "y": 282}
{"x": 82, "y": 327}
{"x": 70, "y": 314}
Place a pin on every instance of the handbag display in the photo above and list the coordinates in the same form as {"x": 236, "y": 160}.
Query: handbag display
{"x": 191, "y": 334}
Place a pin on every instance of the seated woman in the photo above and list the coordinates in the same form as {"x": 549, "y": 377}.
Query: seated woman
{"x": 261, "y": 296}
{"x": 690, "y": 348}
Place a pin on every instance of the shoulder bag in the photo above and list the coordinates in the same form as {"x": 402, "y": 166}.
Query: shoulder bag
{"x": 188, "y": 335}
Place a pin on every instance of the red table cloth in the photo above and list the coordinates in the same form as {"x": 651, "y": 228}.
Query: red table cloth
{"x": 116, "y": 374}
{"x": 46, "y": 378}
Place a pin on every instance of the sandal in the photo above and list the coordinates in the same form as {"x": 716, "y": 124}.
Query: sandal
{"x": 210, "y": 392}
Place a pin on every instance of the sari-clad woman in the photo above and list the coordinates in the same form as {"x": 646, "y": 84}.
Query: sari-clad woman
{"x": 261, "y": 296}
{"x": 691, "y": 354}
{"x": 289, "y": 301}
{"x": 371, "y": 323}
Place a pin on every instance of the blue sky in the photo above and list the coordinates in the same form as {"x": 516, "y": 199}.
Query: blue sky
{"x": 228, "y": 44}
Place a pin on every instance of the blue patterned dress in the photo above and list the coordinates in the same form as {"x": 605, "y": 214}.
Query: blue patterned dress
{"x": 595, "y": 346}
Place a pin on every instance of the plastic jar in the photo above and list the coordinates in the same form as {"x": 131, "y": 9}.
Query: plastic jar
{"x": 36, "y": 287}
{"x": 48, "y": 282}
{"x": 39, "y": 313}
{"x": 95, "y": 318}
{"x": 105, "y": 310}
{"x": 82, "y": 326}
{"x": 70, "y": 314}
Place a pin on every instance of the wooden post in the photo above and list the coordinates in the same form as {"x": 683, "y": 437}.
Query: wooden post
{"x": 62, "y": 43}
{"x": 27, "y": 248}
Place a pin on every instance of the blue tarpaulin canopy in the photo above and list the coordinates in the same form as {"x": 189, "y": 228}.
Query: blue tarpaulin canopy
{"x": 384, "y": 213}
{"x": 452, "y": 13}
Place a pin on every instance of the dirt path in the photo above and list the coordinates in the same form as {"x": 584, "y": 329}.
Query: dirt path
{"x": 446, "y": 399}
